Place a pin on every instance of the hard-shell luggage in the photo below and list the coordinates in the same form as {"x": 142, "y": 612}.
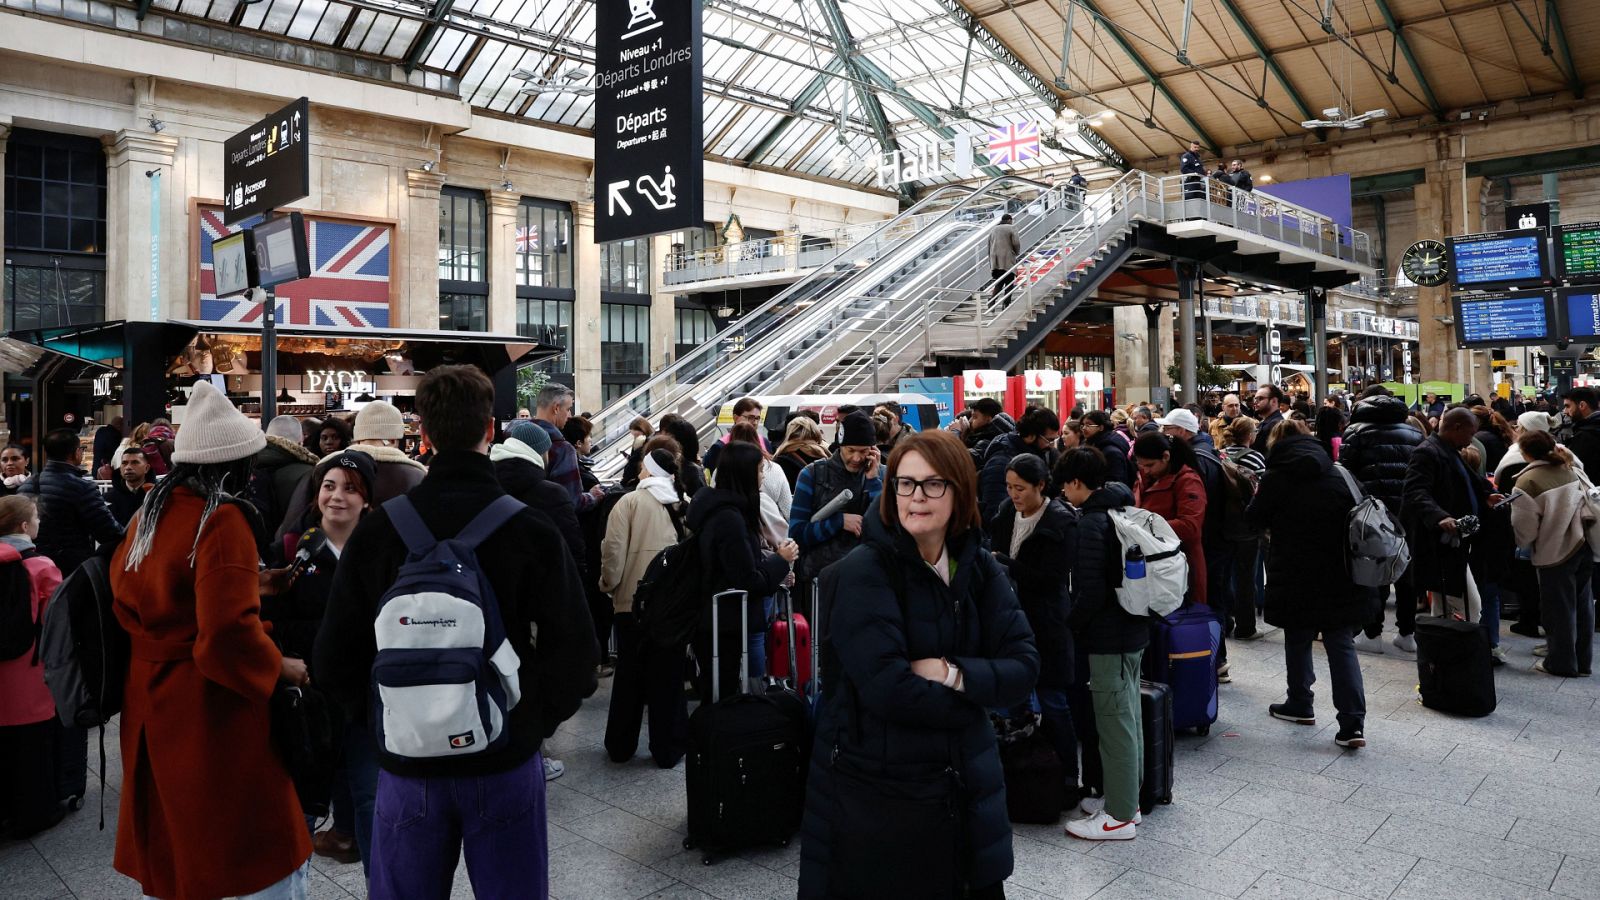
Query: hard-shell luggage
{"x": 1183, "y": 655}
{"x": 1035, "y": 785}
{"x": 1155, "y": 713}
{"x": 777, "y": 652}
{"x": 747, "y": 758}
{"x": 1455, "y": 671}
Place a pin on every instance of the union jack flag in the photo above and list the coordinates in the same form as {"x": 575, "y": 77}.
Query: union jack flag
{"x": 527, "y": 240}
{"x": 1016, "y": 142}
{"x": 348, "y": 287}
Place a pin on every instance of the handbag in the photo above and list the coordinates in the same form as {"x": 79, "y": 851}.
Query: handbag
{"x": 304, "y": 732}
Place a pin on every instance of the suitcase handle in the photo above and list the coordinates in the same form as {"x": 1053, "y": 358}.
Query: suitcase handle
{"x": 744, "y": 643}
{"x": 787, "y": 608}
{"x": 815, "y": 687}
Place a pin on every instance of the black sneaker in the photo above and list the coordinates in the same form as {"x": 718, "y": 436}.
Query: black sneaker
{"x": 1284, "y": 712}
{"x": 1350, "y": 737}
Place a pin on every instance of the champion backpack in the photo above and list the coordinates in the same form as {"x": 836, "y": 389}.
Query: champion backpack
{"x": 1166, "y": 577}
{"x": 667, "y": 603}
{"x": 19, "y": 631}
{"x": 1375, "y": 544}
{"x": 445, "y": 680}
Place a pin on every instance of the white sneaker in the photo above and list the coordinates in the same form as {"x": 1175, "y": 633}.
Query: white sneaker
{"x": 1498, "y": 653}
{"x": 1407, "y": 643}
{"x": 1102, "y": 827}
{"x": 553, "y": 769}
{"x": 1370, "y": 644}
{"x": 1089, "y": 807}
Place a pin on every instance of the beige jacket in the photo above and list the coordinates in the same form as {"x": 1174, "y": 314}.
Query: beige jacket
{"x": 638, "y": 528}
{"x": 1551, "y": 517}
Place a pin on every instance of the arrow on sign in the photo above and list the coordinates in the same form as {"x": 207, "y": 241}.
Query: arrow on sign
{"x": 615, "y": 198}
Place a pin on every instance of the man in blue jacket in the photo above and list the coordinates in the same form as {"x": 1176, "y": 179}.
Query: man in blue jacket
{"x": 856, "y": 467}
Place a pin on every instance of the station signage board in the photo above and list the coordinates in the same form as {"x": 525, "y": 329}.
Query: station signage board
{"x": 649, "y": 157}
{"x": 1506, "y": 318}
{"x": 1528, "y": 215}
{"x": 1499, "y": 259}
{"x": 1577, "y": 251}
{"x": 267, "y": 165}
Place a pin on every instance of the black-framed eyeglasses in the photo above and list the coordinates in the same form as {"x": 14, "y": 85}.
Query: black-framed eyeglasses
{"x": 932, "y": 488}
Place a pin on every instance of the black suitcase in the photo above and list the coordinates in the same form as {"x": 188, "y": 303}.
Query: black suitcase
{"x": 1035, "y": 783}
{"x": 1155, "y": 713}
{"x": 747, "y": 758}
{"x": 1455, "y": 671}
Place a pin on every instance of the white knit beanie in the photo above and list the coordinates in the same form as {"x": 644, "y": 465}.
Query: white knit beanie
{"x": 379, "y": 421}
{"x": 213, "y": 431}
{"x": 1533, "y": 420}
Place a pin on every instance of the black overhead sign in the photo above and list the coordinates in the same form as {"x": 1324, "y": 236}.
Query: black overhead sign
{"x": 1531, "y": 215}
{"x": 267, "y": 165}
{"x": 648, "y": 154}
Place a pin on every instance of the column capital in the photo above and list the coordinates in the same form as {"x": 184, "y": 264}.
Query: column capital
{"x": 139, "y": 148}
{"x": 423, "y": 185}
{"x": 504, "y": 203}
{"x": 583, "y": 213}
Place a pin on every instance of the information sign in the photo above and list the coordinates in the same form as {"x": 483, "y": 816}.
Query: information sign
{"x": 1579, "y": 312}
{"x": 279, "y": 250}
{"x": 1528, "y": 215}
{"x": 1501, "y": 259}
{"x": 649, "y": 158}
{"x": 267, "y": 165}
{"x": 1504, "y": 319}
{"x": 1578, "y": 251}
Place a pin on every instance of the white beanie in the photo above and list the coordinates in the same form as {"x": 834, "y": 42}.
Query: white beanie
{"x": 213, "y": 431}
{"x": 1533, "y": 420}
{"x": 286, "y": 427}
{"x": 379, "y": 421}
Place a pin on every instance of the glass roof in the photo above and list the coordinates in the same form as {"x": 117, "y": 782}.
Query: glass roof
{"x": 777, "y": 92}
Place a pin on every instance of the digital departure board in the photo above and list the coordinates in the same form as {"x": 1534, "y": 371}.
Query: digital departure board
{"x": 1578, "y": 310}
{"x": 1504, "y": 318}
{"x": 1501, "y": 259}
{"x": 1577, "y": 251}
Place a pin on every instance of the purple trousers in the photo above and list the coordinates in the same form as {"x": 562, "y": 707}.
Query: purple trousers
{"x": 421, "y": 826}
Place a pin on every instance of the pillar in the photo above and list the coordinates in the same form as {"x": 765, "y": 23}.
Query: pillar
{"x": 1135, "y": 344}
{"x": 1317, "y": 343}
{"x": 1188, "y": 275}
{"x": 5, "y": 134}
{"x": 136, "y": 225}
{"x": 663, "y": 307}
{"x": 418, "y": 267}
{"x": 586, "y": 308}
{"x": 503, "y": 261}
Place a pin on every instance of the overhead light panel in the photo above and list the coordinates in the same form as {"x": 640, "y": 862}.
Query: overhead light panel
{"x": 1334, "y": 117}
{"x": 570, "y": 81}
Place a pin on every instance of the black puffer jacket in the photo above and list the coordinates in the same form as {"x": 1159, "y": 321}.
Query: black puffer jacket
{"x": 1042, "y": 573}
{"x": 1494, "y": 448}
{"x": 1437, "y": 488}
{"x": 1585, "y": 444}
{"x": 1115, "y": 448}
{"x": 1305, "y": 505}
{"x": 1099, "y": 623}
{"x": 902, "y": 719}
{"x": 731, "y": 557}
{"x": 1377, "y": 447}
{"x": 73, "y": 517}
{"x": 526, "y": 481}
{"x": 997, "y": 457}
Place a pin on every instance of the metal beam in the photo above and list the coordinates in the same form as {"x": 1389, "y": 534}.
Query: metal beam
{"x": 845, "y": 45}
{"x": 1411, "y": 59}
{"x": 801, "y": 101}
{"x": 436, "y": 16}
{"x": 1558, "y": 36}
{"x": 1267, "y": 58}
{"x": 1150, "y": 74}
{"x": 144, "y": 7}
{"x": 925, "y": 115}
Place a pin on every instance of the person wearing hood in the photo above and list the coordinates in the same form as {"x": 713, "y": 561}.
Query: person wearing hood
{"x": 644, "y": 522}
{"x": 1170, "y": 486}
{"x": 1376, "y": 449}
{"x": 801, "y": 446}
{"x": 727, "y": 520}
{"x": 855, "y": 467}
{"x": 1305, "y": 504}
{"x": 1035, "y": 434}
{"x": 986, "y": 421}
{"x": 378, "y": 432}
{"x": 1100, "y": 432}
{"x": 279, "y": 471}
{"x": 519, "y": 463}
{"x": 928, "y": 636}
{"x": 208, "y": 809}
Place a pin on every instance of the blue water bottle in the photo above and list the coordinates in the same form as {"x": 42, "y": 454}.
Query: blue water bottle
{"x": 1133, "y": 564}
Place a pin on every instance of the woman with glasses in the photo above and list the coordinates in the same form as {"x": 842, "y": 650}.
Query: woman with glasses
{"x": 1101, "y": 434}
{"x": 905, "y": 796}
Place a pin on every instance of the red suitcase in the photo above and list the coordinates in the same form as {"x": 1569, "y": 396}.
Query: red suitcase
{"x": 778, "y": 649}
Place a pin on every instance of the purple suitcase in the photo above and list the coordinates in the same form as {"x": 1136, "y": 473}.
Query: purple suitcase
{"x": 1183, "y": 655}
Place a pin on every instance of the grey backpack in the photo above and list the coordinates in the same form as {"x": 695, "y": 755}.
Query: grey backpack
{"x": 1375, "y": 545}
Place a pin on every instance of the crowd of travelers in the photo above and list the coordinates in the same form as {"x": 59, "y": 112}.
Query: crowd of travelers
{"x": 452, "y": 606}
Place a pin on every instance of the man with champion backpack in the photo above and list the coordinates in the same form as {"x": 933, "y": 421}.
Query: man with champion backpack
{"x": 459, "y": 631}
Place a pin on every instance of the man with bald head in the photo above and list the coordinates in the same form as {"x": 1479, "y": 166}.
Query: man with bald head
{"x": 1440, "y": 490}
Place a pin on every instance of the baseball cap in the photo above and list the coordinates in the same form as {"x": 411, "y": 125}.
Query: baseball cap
{"x": 1183, "y": 419}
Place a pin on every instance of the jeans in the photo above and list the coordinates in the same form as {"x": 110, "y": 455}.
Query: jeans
{"x": 422, "y": 825}
{"x": 361, "y": 774}
{"x": 1567, "y": 612}
{"x": 1219, "y": 594}
{"x": 758, "y": 638}
{"x": 1114, "y": 684}
{"x": 294, "y": 886}
{"x": 1349, "y": 698}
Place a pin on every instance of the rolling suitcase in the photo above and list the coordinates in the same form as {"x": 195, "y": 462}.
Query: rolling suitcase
{"x": 1155, "y": 713}
{"x": 1035, "y": 784}
{"x": 747, "y": 758}
{"x": 778, "y": 638}
{"x": 1183, "y": 655}
{"x": 1455, "y": 671}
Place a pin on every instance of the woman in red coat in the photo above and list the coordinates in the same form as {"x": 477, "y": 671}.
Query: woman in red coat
{"x": 1170, "y": 486}
{"x": 208, "y": 810}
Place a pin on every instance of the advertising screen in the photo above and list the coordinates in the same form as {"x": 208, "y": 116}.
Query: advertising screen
{"x": 1579, "y": 312}
{"x": 1503, "y": 259}
{"x": 1578, "y": 251}
{"x": 1510, "y": 318}
{"x": 228, "y": 262}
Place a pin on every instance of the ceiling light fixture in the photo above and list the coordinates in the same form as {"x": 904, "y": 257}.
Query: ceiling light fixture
{"x": 285, "y": 397}
{"x": 570, "y": 81}
{"x": 1334, "y": 117}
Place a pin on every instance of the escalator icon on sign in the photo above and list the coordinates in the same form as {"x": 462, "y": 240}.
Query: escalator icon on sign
{"x": 660, "y": 193}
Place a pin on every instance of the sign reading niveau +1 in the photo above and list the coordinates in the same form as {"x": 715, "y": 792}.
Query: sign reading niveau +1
{"x": 267, "y": 165}
{"x": 649, "y": 159}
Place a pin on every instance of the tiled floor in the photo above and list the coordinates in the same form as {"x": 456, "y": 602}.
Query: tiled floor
{"x": 1507, "y": 806}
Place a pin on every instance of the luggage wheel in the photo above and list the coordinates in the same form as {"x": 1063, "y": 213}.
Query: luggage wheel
{"x": 705, "y": 860}
{"x": 75, "y": 802}
{"x": 687, "y": 843}
{"x": 1203, "y": 730}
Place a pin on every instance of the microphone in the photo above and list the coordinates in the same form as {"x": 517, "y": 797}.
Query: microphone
{"x": 834, "y": 505}
{"x": 312, "y": 540}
